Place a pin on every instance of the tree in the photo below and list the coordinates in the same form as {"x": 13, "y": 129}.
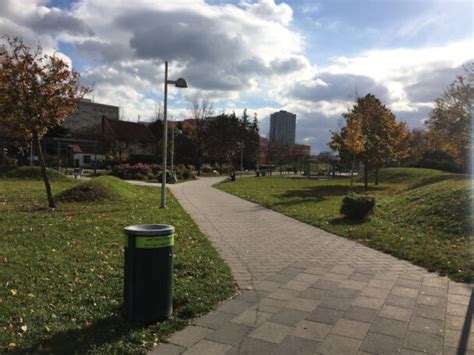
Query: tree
{"x": 200, "y": 111}
{"x": 224, "y": 139}
{"x": 250, "y": 140}
{"x": 371, "y": 135}
{"x": 37, "y": 92}
{"x": 449, "y": 123}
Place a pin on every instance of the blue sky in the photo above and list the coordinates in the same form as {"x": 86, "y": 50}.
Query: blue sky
{"x": 308, "y": 57}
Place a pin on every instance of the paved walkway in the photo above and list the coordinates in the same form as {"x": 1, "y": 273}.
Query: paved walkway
{"x": 306, "y": 291}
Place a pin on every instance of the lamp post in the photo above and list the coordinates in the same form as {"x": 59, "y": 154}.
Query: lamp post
{"x": 180, "y": 83}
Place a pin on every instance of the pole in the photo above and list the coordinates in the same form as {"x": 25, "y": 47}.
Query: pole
{"x": 172, "y": 150}
{"x": 59, "y": 155}
{"x": 165, "y": 141}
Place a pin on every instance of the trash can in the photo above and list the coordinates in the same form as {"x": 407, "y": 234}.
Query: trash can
{"x": 148, "y": 294}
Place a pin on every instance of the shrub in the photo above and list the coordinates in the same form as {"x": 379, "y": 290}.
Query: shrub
{"x": 357, "y": 206}
{"x": 137, "y": 171}
{"x": 206, "y": 169}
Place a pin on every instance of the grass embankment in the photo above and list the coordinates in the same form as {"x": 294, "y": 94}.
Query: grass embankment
{"x": 422, "y": 215}
{"x": 62, "y": 271}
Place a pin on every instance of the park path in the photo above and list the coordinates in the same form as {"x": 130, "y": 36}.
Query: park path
{"x": 307, "y": 291}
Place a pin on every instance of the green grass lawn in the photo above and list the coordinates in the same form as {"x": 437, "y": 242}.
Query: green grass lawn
{"x": 62, "y": 270}
{"x": 422, "y": 215}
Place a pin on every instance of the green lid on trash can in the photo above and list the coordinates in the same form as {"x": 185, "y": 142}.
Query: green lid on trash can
{"x": 149, "y": 229}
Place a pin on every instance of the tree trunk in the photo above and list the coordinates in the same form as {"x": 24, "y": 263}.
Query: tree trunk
{"x": 352, "y": 174}
{"x": 44, "y": 175}
{"x": 376, "y": 175}
{"x": 366, "y": 175}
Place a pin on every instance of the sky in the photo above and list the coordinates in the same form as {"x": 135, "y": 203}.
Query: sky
{"x": 312, "y": 58}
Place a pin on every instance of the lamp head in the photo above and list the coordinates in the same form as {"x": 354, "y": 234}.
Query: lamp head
{"x": 181, "y": 83}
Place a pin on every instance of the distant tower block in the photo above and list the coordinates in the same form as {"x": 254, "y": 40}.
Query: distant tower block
{"x": 282, "y": 127}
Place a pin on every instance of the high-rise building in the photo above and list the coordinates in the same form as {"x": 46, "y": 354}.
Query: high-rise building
{"x": 282, "y": 127}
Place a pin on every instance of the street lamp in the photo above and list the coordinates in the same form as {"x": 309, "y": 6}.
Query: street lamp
{"x": 180, "y": 83}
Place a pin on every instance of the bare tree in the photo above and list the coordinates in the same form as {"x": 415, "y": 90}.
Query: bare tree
{"x": 200, "y": 111}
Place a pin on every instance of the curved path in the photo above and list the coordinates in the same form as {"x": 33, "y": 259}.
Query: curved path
{"x": 307, "y": 291}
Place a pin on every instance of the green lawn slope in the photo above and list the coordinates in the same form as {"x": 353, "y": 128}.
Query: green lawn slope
{"x": 422, "y": 215}
{"x": 62, "y": 270}
{"x": 103, "y": 188}
{"x": 31, "y": 173}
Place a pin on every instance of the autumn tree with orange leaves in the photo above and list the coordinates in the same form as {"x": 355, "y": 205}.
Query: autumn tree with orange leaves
{"x": 37, "y": 92}
{"x": 371, "y": 135}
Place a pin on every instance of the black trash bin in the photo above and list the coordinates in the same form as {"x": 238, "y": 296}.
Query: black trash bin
{"x": 148, "y": 272}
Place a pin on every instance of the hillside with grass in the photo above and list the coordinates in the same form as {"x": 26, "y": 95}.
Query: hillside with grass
{"x": 30, "y": 173}
{"x": 421, "y": 215}
{"x": 62, "y": 270}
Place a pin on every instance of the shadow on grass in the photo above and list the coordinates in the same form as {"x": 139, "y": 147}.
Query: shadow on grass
{"x": 83, "y": 340}
{"x": 323, "y": 191}
{"x": 341, "y": 221}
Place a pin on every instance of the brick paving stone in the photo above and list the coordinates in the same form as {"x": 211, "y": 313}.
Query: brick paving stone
{"x": 311, "y": 330}
{"x": 458, "y": 299}
{"x": 356, "y": 285}
{"x": 344, "y": 293}
{"x": 283, "y": 294}
{"x": 456, "y": 309}
{"x": 288, "y": 316}
{"x": 325, "y": 315}
{"x": 453, "y": 338}
{"x": 368, "y": 302}
{"x": 426, "y": 311}
{"x": 342, "y": 269}
{"x": 351, "y": 329}
{"x": 381, "y": 344}
{"x": 337, "y": 303}
{"x": 167, "y": 349}
{"x": 357, "y": 276}
{"x": 457, "y": 322}
{"x": 435, "y": 282}
{"x": 296, "y": 285}
{"x": 251, "y": 318}
{"x": 214, "y": 320}
{"x": 381, "y": 284}
{"x": 294, "y": 345}
{"x": 269, "y": 305}
{"x": 303, "y": 304}
{"x": 266, "y": 285}
{"x": 314, "y": 293}
{"x": 375, "y": 292}
{"x": 360, "y": 314}
{"x": 433, "y": 291}
{"x": 271, "y": 332}
{"x": 427, "y": 325}
{"x": 250, "y": 346}
{"x": 431, "y": 300}
{"x": 398, "y": 301}
{"x": 423, "y": 342}
{"x": 414, "y": 284}
{"x": 229, "y": 333}
{"x": 459, "y": 289}
{"x": 390, "y": 327}
{"x": 404, "y": 292}
{"x": 281, "y": 278}
{"x": 251, "y": 296}
{"x": 396, "y": 313}
{"x": 337, "y": 345}
{"x": 207, "y": 347}
{"x": 189, "y": 336}
{"x": 325, "y": 285}
{"x": 305, "y": 277}
{"x": 234, "y": 306}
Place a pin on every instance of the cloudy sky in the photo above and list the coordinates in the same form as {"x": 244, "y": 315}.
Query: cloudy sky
{"x": 306, "y": 56}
